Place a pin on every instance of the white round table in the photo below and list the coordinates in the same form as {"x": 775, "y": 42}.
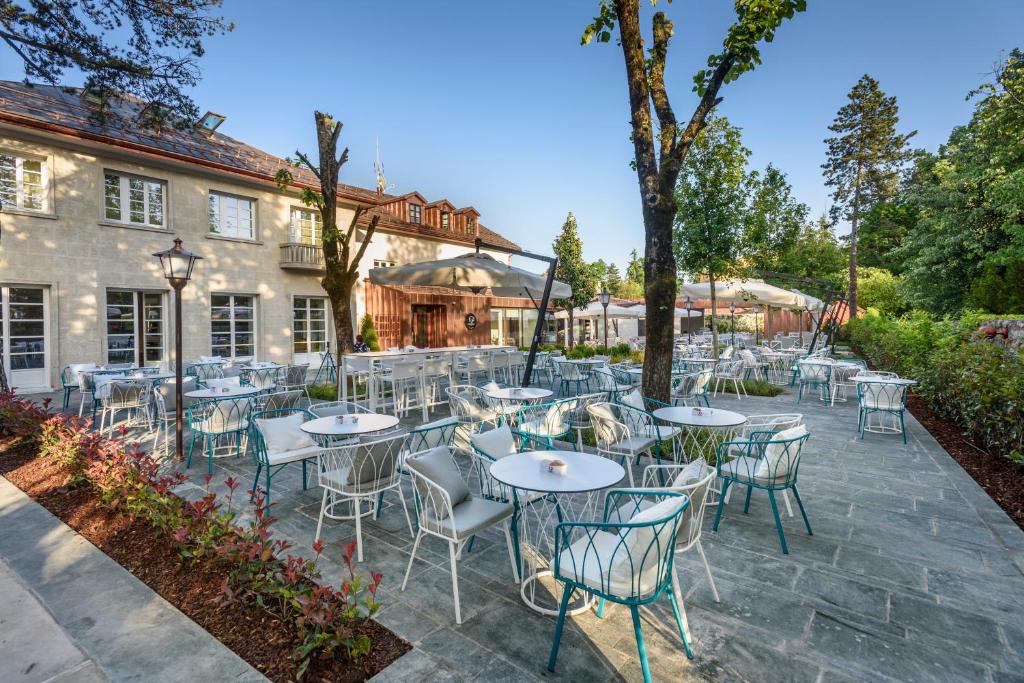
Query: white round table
{"x": 885, "y": 380}
{"x": 704, "y": 429}
{"x": 232, "y": 392}
{"x": 519, "y": 393}
{"x": 364, "y": 423}
{"x": 573, "y": 496}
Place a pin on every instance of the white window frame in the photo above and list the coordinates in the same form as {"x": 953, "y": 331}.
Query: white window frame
{"x": 383, "y": 263}
{"x": 232, "y": 331}
{"x": 19, "y": 182}
{"x": 124, "y": 199}
{"x": 316, "y": 226}
{"x": 219, "y": 230}
{"x": 307, "y": 323}
{"x": 139, "y": 334}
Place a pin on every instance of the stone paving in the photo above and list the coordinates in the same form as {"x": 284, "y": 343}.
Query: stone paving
{"x": 913, "y": 574}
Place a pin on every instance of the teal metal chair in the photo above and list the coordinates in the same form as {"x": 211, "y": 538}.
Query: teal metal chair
{"x": 692, "y": 388}
{"x": 69, "y": 382}
{"x": 221, "y": 425}
{"x": 277, "y": 441}
{"x": 766, "y": 461}
{"x": 816, "y": 375}
{"x": 625, "y": 558}
{"x": 885, "y": 399}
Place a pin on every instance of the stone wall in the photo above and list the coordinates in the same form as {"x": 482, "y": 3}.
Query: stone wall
{"x": 1014, "y": 331}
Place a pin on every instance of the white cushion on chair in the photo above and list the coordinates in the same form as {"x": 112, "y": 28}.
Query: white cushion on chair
{"x": 633, "y": 444}
{"x": 496, "y": 443}
{"x": 470, "y": 516}
{"x": 778, "y": 456}
{"x": 282, "y": 434}
{"x": 692, "y": 472}
{"x": 438, "y": 466}
{"x": 292, "y": 456}
{"x": 634, "y": 399}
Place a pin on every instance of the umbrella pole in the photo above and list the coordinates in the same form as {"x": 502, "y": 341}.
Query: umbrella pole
{"x": 821, "y": 316}
{"x": 538, "y": 331}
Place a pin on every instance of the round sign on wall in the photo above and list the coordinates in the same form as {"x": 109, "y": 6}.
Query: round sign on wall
{"x": 470, "y": 321}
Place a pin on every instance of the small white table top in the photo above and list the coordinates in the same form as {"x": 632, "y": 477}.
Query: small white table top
{"x": 364, "y": 423}
{"x": 584, "y": 472}
{"x": 884, "y": 380}
{"x": 707, "y": 417}
{"x": 585, "y": 361}
{"x": 151, "y": 375}
{"x": 261, "y": 366}
{"x": 232, "y": 392}
{"x": 519, "y": 393}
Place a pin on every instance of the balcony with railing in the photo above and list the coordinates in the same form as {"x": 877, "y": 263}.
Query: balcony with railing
{"x": 302, "y": 256}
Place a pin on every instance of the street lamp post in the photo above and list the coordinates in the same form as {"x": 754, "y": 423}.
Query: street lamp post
{"x": 689, "y": 326}
{"x": 757, "y": 329}
{"x": 177, "y": 265}
{"x": 606, "y": 298}
{"x": 808, "y": 310}
{"x": 732, "y": 321}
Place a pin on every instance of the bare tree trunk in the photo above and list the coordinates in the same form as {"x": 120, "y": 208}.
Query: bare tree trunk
{"x": 853, "y": 248}
{"x": 714, "y": 308}
{"x": 659, "y": 298}
{"x": 570, "y": 338}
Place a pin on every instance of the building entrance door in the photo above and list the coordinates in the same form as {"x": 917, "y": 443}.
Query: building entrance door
{"x": 429, "y": 326}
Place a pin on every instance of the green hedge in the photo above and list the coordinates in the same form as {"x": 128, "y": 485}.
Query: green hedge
{"x": 972, "y": 382}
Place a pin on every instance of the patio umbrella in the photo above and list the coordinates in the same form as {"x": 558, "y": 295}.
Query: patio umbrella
{"x": 749, "y": 290}
{"x": 595, "y": 310}
{"x": 474, "y": 272}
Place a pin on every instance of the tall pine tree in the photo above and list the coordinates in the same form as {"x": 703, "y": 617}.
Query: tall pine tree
{"x": 613, "y": 279}
{"x": 573, "y": 270}
{"x": 864, "y": 160}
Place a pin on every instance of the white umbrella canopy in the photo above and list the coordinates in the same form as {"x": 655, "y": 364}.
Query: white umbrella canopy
{"x": 595, "y": 310}
{"x": 475, "y": 272}
{"x": 750, "y": 290}
{"x": 811, "y": 302}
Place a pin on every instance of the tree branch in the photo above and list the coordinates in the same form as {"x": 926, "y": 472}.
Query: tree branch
{"x": 656, "y": 78}
{"x": 709, "y": 101}
{"x": 370, "y": 229}
{"x": 309, "y": 164}
{"x": 352, "y": 224}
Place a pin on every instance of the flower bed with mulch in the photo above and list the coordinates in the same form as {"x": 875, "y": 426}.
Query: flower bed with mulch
{"x": 234, "y": 581}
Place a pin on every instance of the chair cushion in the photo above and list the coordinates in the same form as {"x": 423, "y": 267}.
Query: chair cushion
{"x": 634, "y": 399}
{"x": 372, "y": 466}
{"x": 293, "y": 456}
{"x": 282, "y": 434}
{"x": 496, "y": 443}
{"x": 633, "y": 444}
{"x": 470, "y": 516}
{"x": 438, "y": 466}
{"x": 778, "y": 457}
{"x": 689, "y": 474}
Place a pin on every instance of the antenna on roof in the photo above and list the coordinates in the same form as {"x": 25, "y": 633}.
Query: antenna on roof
{"x": 378, "y": 171}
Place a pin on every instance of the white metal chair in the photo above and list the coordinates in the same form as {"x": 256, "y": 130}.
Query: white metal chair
{"x": 731, "y": 371}
{"x": 126, "y": 395}
{"x": 696, "y": 480}
{"x": 264, "y": 379}
{"x": 615, "y": 437}
{"x": 447, "y": 510}
{"x": 469, "y": 407}
{"x": 163, "y": 401}
{"x": 407, "y": 387}
{"x": 294, "y": 377}
{"x": 334, "y": 408}
{"x": 357, "y": 473}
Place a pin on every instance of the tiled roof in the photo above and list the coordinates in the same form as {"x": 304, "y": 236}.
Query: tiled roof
{"x": 63, "y": 110}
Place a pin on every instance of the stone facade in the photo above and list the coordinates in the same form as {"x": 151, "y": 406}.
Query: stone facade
{"x": 71, "y": 251}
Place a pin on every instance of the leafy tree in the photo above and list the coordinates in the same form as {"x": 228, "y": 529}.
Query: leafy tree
{"x": 881, "y": 233}
{"x": 612, "y": 280}
{"x": 143, "y": 48}
{"x": 630, "y": 290}
{"x": 369, "y": 332}
{"x": 864, "y": 159}
{"x": 773, "y": 220}
{"x": 712, "y": 197}
{"x": 599, "y": 269}
{"x": 342, "y": 253}
{"x": 881, "y": 290}
{"x": 573, "y": 270}
{"x": 816, "y": 252}
{"x": 966, "y": 247}
{"x": 635, "y": 269}
{"x": 660, "y": 150}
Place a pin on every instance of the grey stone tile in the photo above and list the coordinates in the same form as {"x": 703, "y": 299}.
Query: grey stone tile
{"x": 858, "y": 649}
{"x": 927, "y": 621}
{"x": 456, "y": 651}
{"x": 872, "y": 565}
{"x": 843, "y": 592}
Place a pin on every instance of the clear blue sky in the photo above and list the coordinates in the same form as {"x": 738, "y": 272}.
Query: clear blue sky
{"x": 495, "y": 104}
